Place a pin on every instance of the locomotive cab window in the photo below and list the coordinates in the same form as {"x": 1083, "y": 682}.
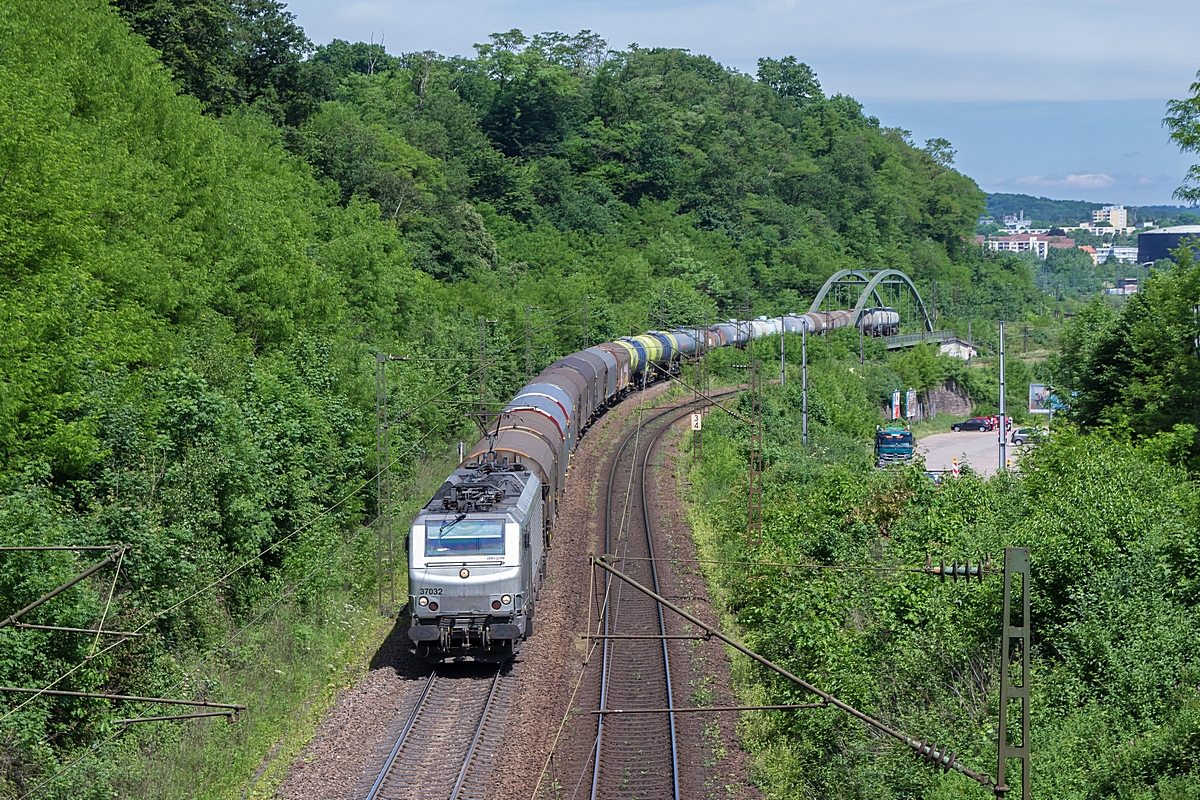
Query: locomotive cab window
{"x": 483, "y": 537}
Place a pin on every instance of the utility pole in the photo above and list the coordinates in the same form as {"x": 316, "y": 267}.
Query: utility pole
{"x": 1003, "y": 420}
{"x": 1014, "y": 672}
{"x": 970, "y": 343}
{"x": 782, "y": 360}
{"x": 804, "y": 383}
{"x": 385, "y": 553}
{"x": 754, "y": 509}
{"x": 860, "y": 343}
{"x": 528, "y": 344}
{"x": 586, "y": 321}
{"x": 749, "y": 330}
{"x": 482, "y": 362}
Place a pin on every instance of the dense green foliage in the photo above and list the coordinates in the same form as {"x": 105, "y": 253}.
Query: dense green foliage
{"x": 1183, "y": 120}
{"x": 1055, "y": 212}
{"x": 1071, "y": 212}
{"x": 203, "y": 247}
{"x": 1113, "y": 532}
{"x": 1136, "y": 371}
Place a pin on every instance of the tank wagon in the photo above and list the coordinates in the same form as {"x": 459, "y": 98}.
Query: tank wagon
{"x": 879, "y": 322}
{"x": 477, "y": 549}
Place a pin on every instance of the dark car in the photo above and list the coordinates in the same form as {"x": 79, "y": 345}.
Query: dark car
{"x": 974, "y": 424}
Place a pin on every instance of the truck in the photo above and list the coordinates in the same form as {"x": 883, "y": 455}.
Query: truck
{"x": 893, "y": 445}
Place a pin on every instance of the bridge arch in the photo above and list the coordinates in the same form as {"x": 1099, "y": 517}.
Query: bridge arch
{"x": 872, "y": 280}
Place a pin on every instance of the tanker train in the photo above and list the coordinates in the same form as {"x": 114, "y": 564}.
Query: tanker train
{"x": 477, "y": 550}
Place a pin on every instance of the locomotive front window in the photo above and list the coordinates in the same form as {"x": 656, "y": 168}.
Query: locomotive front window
{"x": 484, "y": 537}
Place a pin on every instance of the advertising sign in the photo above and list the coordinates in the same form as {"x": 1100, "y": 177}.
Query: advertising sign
{"x": 896, "y": 404}
{"x": 1039, "y": 399}
{"x": 910, "y": 403}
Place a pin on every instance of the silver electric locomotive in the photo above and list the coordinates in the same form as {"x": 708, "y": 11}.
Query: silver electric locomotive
{"x": 476, "y": 563}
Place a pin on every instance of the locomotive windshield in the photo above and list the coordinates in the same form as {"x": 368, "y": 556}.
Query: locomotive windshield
{"x": 466, "y": 537}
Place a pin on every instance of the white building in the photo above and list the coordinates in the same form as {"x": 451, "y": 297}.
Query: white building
{"x": 956, "y": 348}
{"x": 1105, "y": 252}
{"x": 1017, "y": 224}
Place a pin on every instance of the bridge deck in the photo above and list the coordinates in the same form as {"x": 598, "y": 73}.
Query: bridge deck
{"x": 910, "y": 339}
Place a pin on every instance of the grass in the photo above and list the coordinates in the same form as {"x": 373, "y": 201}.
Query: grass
{"x": 288, "y": 670}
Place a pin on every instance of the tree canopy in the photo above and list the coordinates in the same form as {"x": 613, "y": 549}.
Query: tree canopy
{"x": 1183, "y": 120}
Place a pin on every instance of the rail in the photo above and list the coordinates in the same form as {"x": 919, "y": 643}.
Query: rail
{"x": 440, "y": 725}
{"x": 613, "y": 610}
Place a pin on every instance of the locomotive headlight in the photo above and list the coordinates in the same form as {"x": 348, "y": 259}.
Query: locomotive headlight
{"x": 506, "y": 599}
{"x": 464, "y": 573}
{"x": 424, "y": 601}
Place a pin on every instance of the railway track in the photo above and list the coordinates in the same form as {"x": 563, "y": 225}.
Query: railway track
{"x": 449, "y": 742}
{"x": 635, "y": 756}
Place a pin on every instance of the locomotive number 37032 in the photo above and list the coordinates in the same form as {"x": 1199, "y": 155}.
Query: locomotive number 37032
{"x": 431, "y": 591}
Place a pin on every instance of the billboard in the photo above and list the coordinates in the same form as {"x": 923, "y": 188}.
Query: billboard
{"x": 896, "y": 404}
{"x": 1039, "y": 399}
{"x": 910, "y": 403}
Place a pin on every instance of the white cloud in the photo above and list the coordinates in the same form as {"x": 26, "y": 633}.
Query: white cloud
{"x": 871, "y": 49}
{"x": 1088, "y": 181}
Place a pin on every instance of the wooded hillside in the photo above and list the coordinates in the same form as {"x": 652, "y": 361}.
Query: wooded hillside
{"x": 204, "y": 245}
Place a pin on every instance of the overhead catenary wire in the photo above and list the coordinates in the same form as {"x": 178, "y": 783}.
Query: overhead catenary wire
{"x": 159, "y": 614}
{"x": 794, "y": 565}
{"x": 594, "y": 641}
{"x": 487, "y": 361}
{"x": 324, "y": 513}
{"x": 290, "y": 591}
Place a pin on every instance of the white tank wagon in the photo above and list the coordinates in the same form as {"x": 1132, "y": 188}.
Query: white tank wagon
{"x": 879, "y": 322}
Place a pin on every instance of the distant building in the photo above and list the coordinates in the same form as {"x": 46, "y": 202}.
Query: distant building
{"x": 1115, "y": 216}
{"x": 1105, "y": 252}
{"x": 1026, "y": 242}
{"x": 1124, "y": 286}
{"x": 956, "y": 348}
{"x": 1091, "y": 251}
{"x": 1158, "y": 244}
{"x": 1017, "y": 224}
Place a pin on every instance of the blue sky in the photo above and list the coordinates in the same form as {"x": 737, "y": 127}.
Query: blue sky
{"x": 1059, "y": 98}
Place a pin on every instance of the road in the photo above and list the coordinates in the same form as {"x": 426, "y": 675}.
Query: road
{"x": 979, "y": 449}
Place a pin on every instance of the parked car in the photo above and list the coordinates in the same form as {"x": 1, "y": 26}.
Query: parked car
{"x": 973, "y": 424}
{"x": 1022, "y": 435}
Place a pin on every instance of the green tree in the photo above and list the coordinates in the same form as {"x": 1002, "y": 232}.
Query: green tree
{"x": 1183, "y": 120}
{"x": 790, "y": 79}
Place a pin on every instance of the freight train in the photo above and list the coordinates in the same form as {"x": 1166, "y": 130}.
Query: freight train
{"x": 477, "y": 550}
